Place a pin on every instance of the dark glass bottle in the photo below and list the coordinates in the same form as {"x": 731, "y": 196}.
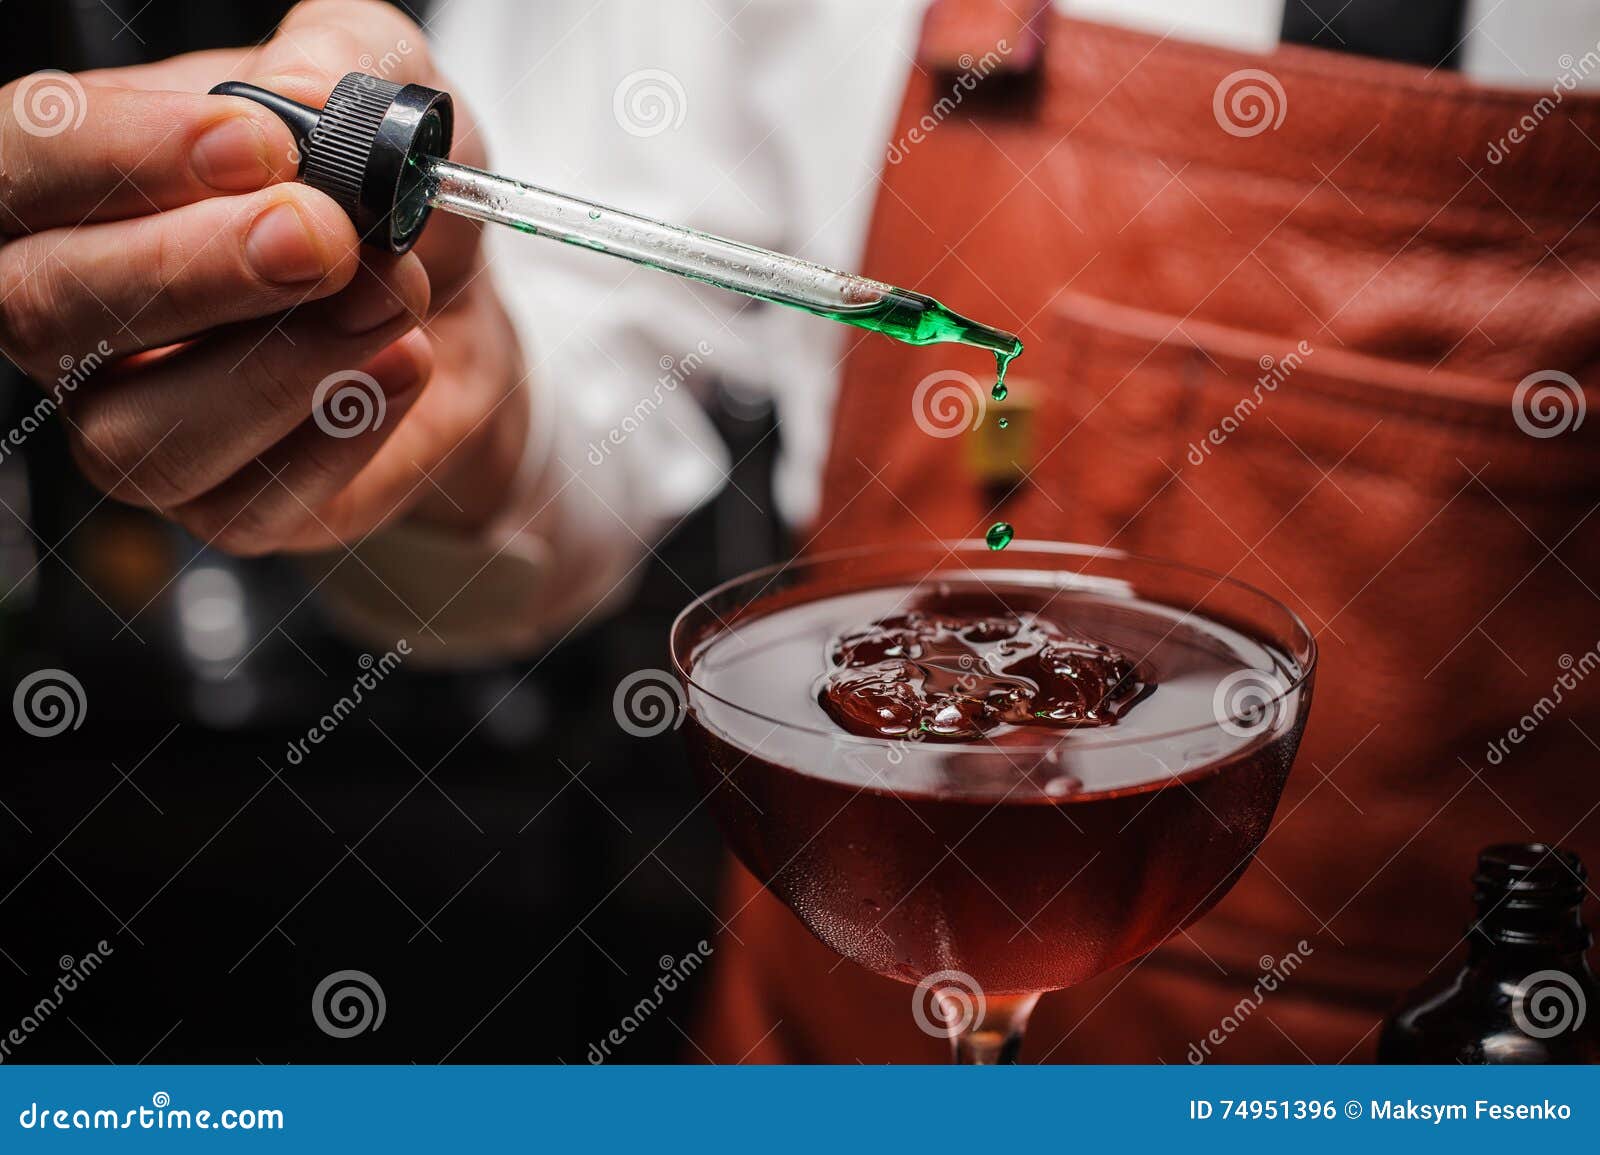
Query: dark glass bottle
{"x": 1525, "y": 993}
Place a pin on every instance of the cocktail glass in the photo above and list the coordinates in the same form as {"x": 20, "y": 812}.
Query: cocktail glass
{"x": 989, "y": 871}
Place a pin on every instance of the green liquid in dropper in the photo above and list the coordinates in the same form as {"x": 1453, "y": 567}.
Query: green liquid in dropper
{"x": 914, "y": 318}
{"x": 917, "y": 319}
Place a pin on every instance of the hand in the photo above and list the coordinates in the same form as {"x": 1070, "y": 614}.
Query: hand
{"x": 159, "y": 244}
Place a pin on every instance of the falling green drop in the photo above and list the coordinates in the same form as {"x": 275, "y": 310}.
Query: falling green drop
{"x": 999, "y": 535}
{"x": 1005, "y": 423}
{"x": 1002, "y": 362}
{"x": 594, "y": 214}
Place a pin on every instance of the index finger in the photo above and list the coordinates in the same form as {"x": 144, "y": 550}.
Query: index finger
{"x": 72, "y": 152}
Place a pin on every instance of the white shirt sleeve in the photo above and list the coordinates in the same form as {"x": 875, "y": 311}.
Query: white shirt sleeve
{"x": 764, "y": 121}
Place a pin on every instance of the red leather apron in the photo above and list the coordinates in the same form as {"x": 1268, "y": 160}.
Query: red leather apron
{"x": 1161, "y": 268}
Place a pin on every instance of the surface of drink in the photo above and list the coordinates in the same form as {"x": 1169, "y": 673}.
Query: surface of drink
{"x": 1525, "y": 992}
{"x": 1050, "y": 791}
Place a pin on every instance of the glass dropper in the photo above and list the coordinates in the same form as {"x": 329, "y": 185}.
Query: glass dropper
{"x": 911, "y": 317}
{"x": 378, "y": 149}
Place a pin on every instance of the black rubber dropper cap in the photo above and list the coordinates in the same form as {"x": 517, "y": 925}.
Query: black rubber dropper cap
{"x": 362, "y": 147}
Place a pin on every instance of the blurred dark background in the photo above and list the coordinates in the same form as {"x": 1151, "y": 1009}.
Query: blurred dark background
{"x": 508, "y": 864}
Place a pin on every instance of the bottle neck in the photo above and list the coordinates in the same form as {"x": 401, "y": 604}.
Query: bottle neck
{"x": 1517, "y": 931}
{"x": 1530, "y": 899}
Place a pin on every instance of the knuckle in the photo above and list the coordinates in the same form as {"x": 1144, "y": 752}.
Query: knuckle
{"x": 163, "y": 479}
{"x": 116, "y": 457}
{"x": 271, "y": 379}
{"x": 164, "y": 258}
{"x": 93, "y": 461}
{"x": 388, "y": 40}
{"x": 30, "y": 313}
{"x": 316, "y": 460}
{"x": 323, "y": 53}
{"x": 344, "y": 45}
{"x": 170, "y": 256}
{"x": 188, "y": 278}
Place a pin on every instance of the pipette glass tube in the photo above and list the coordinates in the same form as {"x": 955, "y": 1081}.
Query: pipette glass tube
{"x": 913, "y": 318}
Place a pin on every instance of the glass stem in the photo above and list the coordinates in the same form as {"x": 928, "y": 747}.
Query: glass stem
{"x": 995, "y": 1036}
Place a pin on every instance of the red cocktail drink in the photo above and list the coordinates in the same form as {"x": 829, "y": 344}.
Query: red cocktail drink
{"x": 1000, "y": 772}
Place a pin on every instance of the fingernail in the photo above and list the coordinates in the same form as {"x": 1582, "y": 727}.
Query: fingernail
{"x": 232, "y": 156}
{"x": 280, "y": 249}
